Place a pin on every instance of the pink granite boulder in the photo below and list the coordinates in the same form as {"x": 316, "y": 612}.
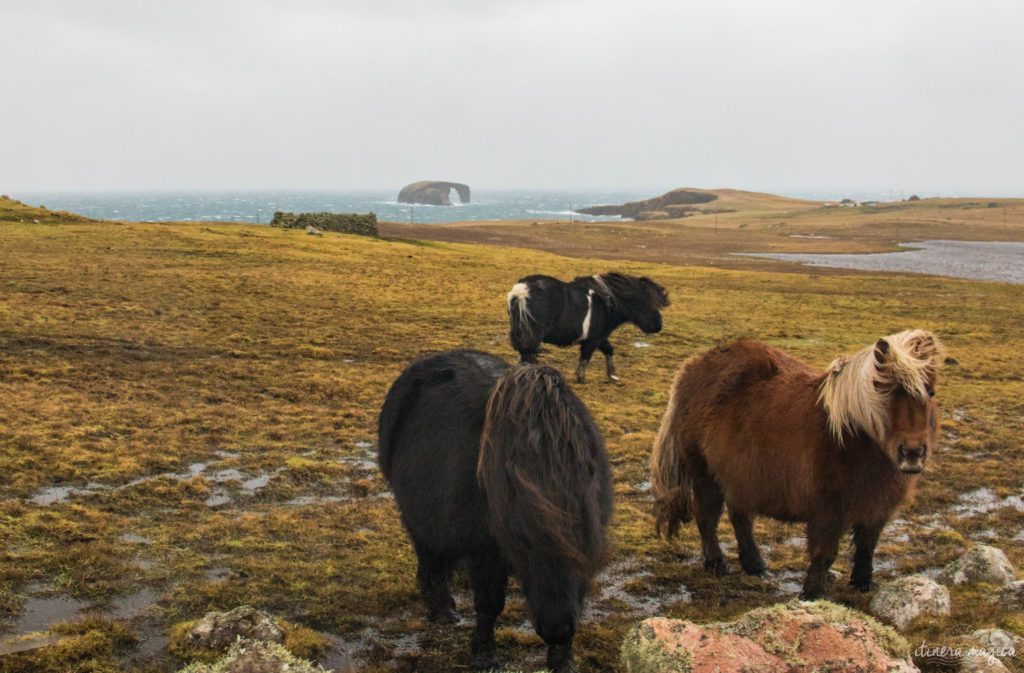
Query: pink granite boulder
{"x": 796, "y": 637}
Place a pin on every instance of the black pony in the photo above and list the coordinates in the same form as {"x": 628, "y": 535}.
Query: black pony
{"x": 584, "y": 312}
{"x": 505, "y": 468}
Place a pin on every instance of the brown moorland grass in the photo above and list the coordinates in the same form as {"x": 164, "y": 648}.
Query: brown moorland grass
{"x": 758, "y": 223}
{"x": 210, "y": 393}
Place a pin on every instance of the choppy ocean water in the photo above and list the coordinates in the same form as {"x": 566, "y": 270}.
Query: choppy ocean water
{"x": 259, "y": 206}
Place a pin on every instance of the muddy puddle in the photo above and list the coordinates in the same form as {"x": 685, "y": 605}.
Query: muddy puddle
{"x": 45, "y": 607}
{"x": 228, "y": 483}
{"x": 983, "y": 501}
{"x": 612, "y": 595}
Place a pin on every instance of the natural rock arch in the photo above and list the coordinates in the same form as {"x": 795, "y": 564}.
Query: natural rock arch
{"x": 433, "y": 193}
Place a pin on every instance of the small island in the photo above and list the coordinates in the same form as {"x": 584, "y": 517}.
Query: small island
{"x": 433, "y": 193}
{"x": 676, "y": 203}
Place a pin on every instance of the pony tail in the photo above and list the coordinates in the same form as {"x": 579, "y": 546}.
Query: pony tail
{"x": 521, "y": 332}
{"x": 544, "y": 471}
{"x": 670, "y": 483}
{"x": 402, "y": 395}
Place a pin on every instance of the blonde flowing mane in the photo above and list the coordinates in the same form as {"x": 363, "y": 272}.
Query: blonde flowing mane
{"x": 856, "y": 387}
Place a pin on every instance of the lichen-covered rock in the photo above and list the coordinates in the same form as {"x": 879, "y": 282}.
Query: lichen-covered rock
{"x": 981, "y": 563}
{"x": 313, "y": 231}
{"x": 899, "y": 601}
{"x": 984, "y": 651}
{"x": 256, "y": 657}
{"x": 999, "y": 642}
{"x": 982, "y": 663}
{"x": 661, "y": 644}
{"x": 1012, "y": 595}
{"x": 217, "y": 630}
{"x": 796, "y": 637}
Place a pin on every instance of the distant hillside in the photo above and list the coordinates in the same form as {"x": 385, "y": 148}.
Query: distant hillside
{"x": 12, "y": 210}
{"x": 686, "y": 201}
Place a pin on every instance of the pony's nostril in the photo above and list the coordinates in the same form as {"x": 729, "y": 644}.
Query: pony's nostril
{"x": 914, "y": 452}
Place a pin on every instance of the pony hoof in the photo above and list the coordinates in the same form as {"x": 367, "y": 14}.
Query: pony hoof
{"x": 810, "y": 594}
{"x": 445, "y": 616}
{"x": 864, "y": 587}
{"x": 614, "y": 377}
{"x": 719, "y": 567}
{"x": 755, "y": 569}
{"x": 485, "y": 661}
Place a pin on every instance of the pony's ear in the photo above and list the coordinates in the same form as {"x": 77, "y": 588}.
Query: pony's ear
{"x": 881, "y": 350}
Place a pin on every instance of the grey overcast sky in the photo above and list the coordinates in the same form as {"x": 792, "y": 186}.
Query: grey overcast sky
{"x": 921, "y": 96}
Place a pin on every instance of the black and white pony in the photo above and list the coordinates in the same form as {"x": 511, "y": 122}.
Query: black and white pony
{"x": 505, "y": 468}
{"x": 584, "y": 312}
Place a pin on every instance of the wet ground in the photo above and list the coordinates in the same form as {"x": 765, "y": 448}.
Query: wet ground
{"x": 627, "y": 588}
{"x": 960, "y": 259}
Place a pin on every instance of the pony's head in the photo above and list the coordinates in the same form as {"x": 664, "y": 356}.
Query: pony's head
{"x": 887, "y": 390}
{"x": 638, "y": 299}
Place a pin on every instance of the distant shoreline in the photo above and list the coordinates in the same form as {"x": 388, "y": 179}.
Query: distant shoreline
{"x": 258, "y": 206}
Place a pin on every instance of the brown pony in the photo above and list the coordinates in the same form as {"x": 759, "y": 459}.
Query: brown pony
{"x": 762, "y": 432}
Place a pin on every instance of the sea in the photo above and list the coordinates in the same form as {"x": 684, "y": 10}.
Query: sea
{"x": 259, "y": 206}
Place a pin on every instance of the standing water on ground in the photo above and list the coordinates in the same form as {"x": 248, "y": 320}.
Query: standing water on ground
{"x": 961, "y": 259}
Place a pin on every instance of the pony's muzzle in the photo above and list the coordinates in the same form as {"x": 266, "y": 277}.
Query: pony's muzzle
{"x": 912, "y": 458}
{"x": 652, "y": 326}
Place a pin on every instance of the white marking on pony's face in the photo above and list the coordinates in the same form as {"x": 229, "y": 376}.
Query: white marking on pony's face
{"x": 520, "y": 291}
{"x": 585, "y": 328}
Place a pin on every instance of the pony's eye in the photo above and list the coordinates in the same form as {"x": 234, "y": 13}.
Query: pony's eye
{"x": 931, "y": 392}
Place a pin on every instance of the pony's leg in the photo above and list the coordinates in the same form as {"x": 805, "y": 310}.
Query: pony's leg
{"x": 822, "y": 546}
{"x": 586, "y": 352}
{"x": 750, "y": 555}
{"x": 865, "y": 538}
{"x": 560, "y": 658}
{"x": 434, "y": 576}
{"x": 707, "y": 496}
{"x": 488, "y": 577}
{"x": 609, "y": 359}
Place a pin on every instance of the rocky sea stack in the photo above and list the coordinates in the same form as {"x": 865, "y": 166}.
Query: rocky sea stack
{"x": 433, "y": 193}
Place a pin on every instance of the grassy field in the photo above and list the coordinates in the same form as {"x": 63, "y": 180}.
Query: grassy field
{"x": 188, "y": 420}
{"x": 756, "y": 223}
